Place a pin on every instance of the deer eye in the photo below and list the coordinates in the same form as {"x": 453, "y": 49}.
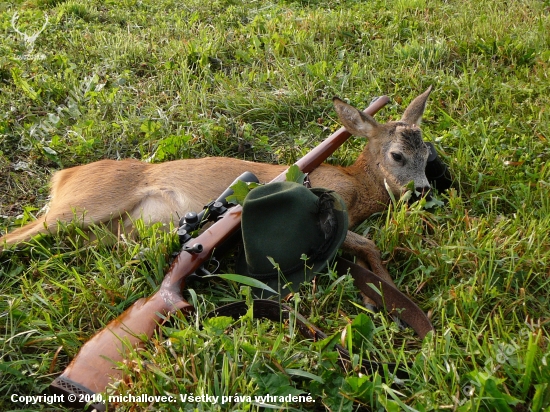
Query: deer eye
{"x": 398, "y": 157}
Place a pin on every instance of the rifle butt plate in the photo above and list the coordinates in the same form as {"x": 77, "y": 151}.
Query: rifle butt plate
{"x": 75, "y": 395}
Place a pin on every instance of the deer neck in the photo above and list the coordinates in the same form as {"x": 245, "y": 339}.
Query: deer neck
{"x": 371, "y": 194}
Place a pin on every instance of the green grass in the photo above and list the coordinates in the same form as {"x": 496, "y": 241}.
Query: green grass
{"x": 161, "y": 80}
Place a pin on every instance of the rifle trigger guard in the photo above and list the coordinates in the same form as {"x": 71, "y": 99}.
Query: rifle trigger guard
{"x": 202, "y": 271}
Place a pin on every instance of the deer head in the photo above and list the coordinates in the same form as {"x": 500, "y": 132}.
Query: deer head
{"x": 396, "y": 153}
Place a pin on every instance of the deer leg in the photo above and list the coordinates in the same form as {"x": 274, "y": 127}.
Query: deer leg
{"x": 365, "y": 250}
{"x": 368, "y": 256}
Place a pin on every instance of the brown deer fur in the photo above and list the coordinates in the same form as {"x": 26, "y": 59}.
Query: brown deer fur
{"x": 118, "y": 192}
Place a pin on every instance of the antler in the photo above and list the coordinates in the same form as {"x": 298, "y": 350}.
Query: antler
{"x": 29, "y": 40}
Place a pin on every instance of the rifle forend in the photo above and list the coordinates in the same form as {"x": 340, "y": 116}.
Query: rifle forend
{"x": 95, "y": 364}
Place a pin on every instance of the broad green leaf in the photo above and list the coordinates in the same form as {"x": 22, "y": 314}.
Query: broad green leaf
{"x": 21, "y": 83}
{"x": 294, "y": 174}
{"x": 249, "y": 348}
{"x": 333, "y": 398}
{"x": 150, "y": 127}
{"x": 217, "y": 325}
{"x": 433, "y": 202}
{"x": 363, "y": 329}
{"x": 328, "y": 343}
{"x": 240, "y": 191}
{"x": 274, "y": 383}
{"x": 392, "y": 406}
{"x": 500, "y": 400}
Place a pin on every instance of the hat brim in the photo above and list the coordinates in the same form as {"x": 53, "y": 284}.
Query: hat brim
{"x": 290, "y": 282}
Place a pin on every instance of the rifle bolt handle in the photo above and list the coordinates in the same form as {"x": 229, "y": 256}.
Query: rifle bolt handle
{"x": 196, "y": 248}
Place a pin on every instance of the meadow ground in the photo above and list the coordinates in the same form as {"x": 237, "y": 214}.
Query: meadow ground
{"x": 161, "y": 80}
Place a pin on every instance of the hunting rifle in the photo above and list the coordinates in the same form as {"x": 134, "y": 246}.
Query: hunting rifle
{"x": 95, "y": 364}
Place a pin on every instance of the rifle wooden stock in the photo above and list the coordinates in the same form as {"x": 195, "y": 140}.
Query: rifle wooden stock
{"x": 94, "y": 366}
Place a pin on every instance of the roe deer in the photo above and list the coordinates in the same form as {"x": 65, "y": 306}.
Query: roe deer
{"x": 118, "y": 192}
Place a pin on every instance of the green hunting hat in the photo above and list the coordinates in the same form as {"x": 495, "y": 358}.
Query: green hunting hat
{"x": 285, "y": 221}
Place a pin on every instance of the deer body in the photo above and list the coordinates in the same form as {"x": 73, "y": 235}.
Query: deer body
{"x": 118, "y": 192}
{"x": 158, "y": 192}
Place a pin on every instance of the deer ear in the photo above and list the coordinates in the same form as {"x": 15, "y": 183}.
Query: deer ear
{"x": 357, "y": 122}
{"x": 413, "y": 113}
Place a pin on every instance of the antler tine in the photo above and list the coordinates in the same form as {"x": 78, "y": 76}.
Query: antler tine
{"x": 14, "y": 19}
{"x": 43, "y": 26}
